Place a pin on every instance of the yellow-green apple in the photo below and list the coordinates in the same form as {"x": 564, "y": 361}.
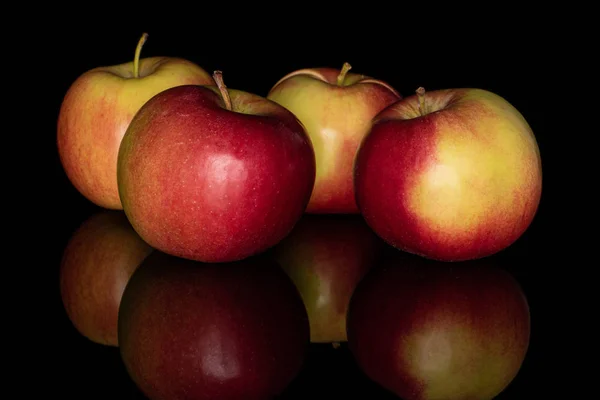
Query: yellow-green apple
{"x": 452, "y": 174}
{"x": 336, "y": 108}
{"x": 326, "y": 255}
{"x": 96, "y": 265}
{"x": 97, "y": 109}
{"x": 426, "y": 329}
{"x": 214, "y": 174}
{"x": 192, "y": 330}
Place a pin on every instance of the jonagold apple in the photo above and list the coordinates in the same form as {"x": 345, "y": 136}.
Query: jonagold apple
{"x": 336, "y": 108}
{"x": 451, "y": 174}
{"x": 214, "y": 174}
{"x": 97, "y": 109}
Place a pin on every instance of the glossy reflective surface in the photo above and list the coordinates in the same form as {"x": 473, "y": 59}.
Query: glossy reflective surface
{"x": 327, "y": 370}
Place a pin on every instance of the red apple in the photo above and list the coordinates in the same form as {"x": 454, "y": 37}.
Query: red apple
{"x": 425, "y": 329}
{"x": 336, "y": 108}
{"x": 190, "y": 330}
{"x": 451, "y": 174}
{"x": 214, "y": 174}
{"x": 97, "y": 109}
{"x": 326, "y": 256}
{"x": 97, "y": 263}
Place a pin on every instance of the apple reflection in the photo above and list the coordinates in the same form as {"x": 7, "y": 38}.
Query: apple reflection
{"x": 235, "y": 330}
{"x": 433, "y": 329}
{"x": 96, "y": 264}
{"x": 326, "y": 255}
{"x": 426, "y": 329}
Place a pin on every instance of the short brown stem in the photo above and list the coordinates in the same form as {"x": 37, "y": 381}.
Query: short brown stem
{"x": 421, "y": 96}
{"x": 136, "y": 59}
{"x": 218, "y": 77}
{"x": 345, "y": 68}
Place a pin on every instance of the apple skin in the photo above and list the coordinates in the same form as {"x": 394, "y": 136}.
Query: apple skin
{"x": 96, "y": 111}
{"x": 202, "y": 182}
{"x": 462, "y": 182}
{"x": 191, "y": 330}
{"x": 336, "y": 117}
{"x": 425, "y": 329}
{"x": 326, "y": 255}
{"x": 97, "y": 262}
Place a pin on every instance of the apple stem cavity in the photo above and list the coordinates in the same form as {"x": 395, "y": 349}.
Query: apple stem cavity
{"x": 136, "y": 59}
{"x": 342, "y": 76}
{"x": 421, "y": 97}
{"x": 218, "y": 77}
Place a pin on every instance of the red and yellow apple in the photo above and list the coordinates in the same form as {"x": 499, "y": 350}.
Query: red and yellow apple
{"x": 336, "y": 108}
{"x": 97, "y": 109}
{"x": 203, "y": 331}
{"x": 214, "y": 174}
{"x": 326, "y": 256}
{"x": 96, "y": 265}
{"x": 451, "y": 174}
{"x": 428, "y": 330}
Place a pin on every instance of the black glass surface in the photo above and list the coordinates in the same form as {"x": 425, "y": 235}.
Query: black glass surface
{"x": 507, "y": 66}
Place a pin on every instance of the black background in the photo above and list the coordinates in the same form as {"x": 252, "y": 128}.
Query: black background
{"x": 511, "y": 57}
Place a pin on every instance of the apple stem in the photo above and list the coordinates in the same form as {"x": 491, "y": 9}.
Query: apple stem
{"x": 218, "y": 77}
{"x": 136, "y": 59}
{"x": 421, "y": 97}
{"x": 345, "y": 68}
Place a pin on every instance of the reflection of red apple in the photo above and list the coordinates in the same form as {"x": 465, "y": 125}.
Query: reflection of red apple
{"x": 189, "y": 330}
{"x": 432, "y": 330}
{"x": 336, "y": 108}
{"x": 97, "y": 109}
{"x": 97, "y": 262}
{"x": 449, "y": 174}
{"x": 214, "y": 174}
{"x": 326, "y": 256}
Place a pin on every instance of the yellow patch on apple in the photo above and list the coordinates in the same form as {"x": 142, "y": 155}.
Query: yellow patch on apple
{"x": 483, "y": 169}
